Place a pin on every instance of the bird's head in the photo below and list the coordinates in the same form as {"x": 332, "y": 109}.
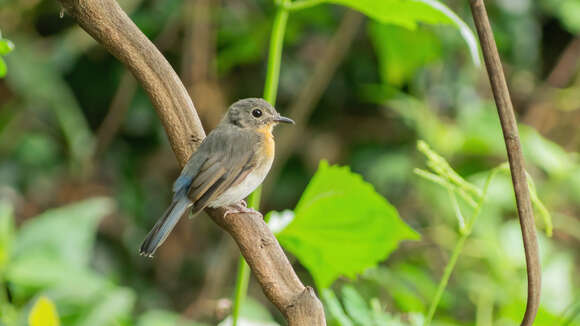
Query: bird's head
{"x": 254, "y": 113}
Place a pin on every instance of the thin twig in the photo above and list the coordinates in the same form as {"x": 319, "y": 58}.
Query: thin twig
{"x": 110, "y": 26}
{"x": 514, "y": 151}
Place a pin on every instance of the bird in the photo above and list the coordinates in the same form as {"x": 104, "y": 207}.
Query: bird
{"x": 230, "y": 163}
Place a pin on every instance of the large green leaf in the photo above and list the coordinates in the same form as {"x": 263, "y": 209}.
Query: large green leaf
{"x": 409, "y": 13}
{"x": 64, "y": 234}
{"x": 342, "y": 226}
{"x": 401, "y": 51}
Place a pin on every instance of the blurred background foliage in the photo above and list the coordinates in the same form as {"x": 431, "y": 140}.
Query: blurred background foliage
{"x": 85, "y": 167}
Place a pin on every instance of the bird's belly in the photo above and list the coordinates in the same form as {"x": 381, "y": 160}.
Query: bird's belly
{"x": 244, "y": 188}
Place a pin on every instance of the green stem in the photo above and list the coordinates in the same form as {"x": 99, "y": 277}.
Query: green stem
{"x": 242, "y": 281}
{"x": 457, "y": 251}
{"x": 275, "y": 53}
{"x": 270, "y": 93}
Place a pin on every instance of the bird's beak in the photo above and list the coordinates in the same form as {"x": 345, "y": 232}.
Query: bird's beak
{"x": 282, "y": 119}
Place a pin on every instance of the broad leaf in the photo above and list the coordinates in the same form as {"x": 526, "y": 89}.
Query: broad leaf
{"x": 342, "y": 226}
{"x": 65, "y": 234}
{"x": 409, "y": 13}
{"x": 401, "y": 51}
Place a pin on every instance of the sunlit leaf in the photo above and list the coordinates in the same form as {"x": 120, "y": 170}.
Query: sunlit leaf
{"x": 409, "y": 13}
{"x": 43, "y": 313}
{"x": 401, "y": 52}
{"x": 342, "y": 226}
{"x": 6, "y": 46}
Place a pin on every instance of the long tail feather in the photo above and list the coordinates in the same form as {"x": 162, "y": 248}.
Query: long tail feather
{"x": 164, "y": 225}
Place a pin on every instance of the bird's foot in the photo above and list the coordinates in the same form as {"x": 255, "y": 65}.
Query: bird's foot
{"x": 240, "y": 207}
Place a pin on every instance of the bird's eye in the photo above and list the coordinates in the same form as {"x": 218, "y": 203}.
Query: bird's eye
{"x": 257, "y": 113}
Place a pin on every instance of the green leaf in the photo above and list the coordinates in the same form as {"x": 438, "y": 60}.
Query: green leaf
{"x": 162, "y": 318}
{"x": 546, "y": 154}
{"x": 115, "y": 306}
{"x": 401, "y": 52}
{"x": 334, "y": 308}
{"x": 355, "y": 306}
{"x": 409, "y": 13}
{"x": 406, "y": 13}
{"x": 342, "y": 226}
{"x": 65, "y": 234}
{"x": 6, "y": 46}
{"x": 43, "y": 313}
{"x": 6, "y": 234}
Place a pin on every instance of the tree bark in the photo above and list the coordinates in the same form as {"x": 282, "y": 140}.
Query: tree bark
{"x": 105, "y": 21}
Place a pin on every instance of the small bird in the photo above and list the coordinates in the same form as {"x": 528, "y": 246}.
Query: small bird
{"x": 231, "y": 162}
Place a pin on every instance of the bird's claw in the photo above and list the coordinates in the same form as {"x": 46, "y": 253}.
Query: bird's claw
{"x": 240, "y": 207}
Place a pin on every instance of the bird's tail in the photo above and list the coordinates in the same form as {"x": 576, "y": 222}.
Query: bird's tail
{"x": 164, "y": 226}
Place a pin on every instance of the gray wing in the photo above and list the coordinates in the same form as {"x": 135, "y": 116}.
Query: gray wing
{"x": 223, "y": 160}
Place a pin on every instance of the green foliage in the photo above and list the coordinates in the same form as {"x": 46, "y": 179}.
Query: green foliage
{"x": 31, "y": 67}
{"x": 6, "y": 46}
{"x": 162, "y": 318}
{"x": 342, "y": 226}
{"x": 567, "y": 11}
{"x": 6, "y": 234}
{"x": 355, "y": 310}
{"x": 411, "y": 71}
{"x": 402, "y": 52}
{"x": 409, "y": 13}
{"x": 51, "y": 255}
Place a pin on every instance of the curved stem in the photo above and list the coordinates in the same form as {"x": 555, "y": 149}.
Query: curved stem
{"x": 516, "y": 160}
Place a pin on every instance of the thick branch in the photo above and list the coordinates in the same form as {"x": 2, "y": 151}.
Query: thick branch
{"x": 516, "y": 160}
{"x": 108, "y": 24}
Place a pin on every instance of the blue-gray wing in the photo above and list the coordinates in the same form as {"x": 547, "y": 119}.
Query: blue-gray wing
{"x": 223, "y": 160}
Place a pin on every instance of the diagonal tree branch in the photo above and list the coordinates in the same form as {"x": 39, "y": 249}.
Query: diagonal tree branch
{"x": 515, "y": 157}
{"x": 105, "y": 21}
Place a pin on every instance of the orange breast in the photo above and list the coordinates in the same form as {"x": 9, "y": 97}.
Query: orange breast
{"x": 268, "y": 145}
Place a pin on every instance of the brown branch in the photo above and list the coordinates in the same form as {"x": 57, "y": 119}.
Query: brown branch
{"x": 515, "y": 157}
{"x": 110, "y": 26}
